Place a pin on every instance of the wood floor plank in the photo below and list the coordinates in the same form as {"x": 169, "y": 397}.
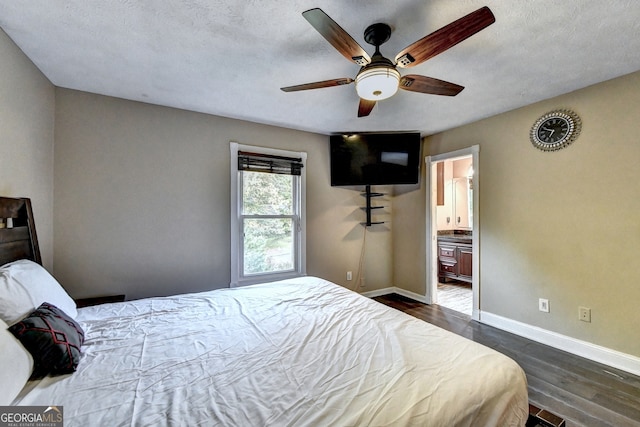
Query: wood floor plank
{"x": 583, "y": 392}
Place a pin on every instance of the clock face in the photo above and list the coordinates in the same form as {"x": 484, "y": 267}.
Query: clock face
{"x": 555, "y": 130}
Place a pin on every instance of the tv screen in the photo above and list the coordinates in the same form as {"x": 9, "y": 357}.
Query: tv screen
{"x": 375, "y": 159}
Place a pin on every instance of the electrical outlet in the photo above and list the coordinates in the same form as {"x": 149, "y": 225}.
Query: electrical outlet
{"x": 362, "y": 285}
{"x": 349, "y": 275}
{"x": 584, "y": 314}
{"x": 543, "y": 305}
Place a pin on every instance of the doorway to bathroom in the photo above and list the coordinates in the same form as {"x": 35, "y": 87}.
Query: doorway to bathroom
{"x": 453, "y": 231}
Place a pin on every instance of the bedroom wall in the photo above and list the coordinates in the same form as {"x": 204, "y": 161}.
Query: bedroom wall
{"x": 409, "y": 235}
{"x": 142, "y": 200}
{"x": 27, "y": 109}
{"x": 561, "y": 225}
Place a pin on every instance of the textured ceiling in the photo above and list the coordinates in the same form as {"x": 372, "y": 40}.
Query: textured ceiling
{"x": 230, "y": 58}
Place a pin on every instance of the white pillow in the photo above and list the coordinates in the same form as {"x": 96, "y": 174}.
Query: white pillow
{"x": 24, "y": 285}
{"x": 16, "y": 365}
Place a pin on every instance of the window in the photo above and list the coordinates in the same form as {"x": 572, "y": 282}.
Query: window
{"x": 267, "y": 214}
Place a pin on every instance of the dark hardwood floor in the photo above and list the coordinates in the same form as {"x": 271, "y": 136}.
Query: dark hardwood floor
{"x": 583, "y": 392}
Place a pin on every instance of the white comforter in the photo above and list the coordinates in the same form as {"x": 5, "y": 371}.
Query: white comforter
{"x": 298, "y": 352}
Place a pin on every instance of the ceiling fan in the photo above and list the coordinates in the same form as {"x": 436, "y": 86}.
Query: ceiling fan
{"x": 379, "y": 77}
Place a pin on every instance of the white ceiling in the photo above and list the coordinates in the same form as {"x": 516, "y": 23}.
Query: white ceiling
{"x": 230, "y": 58}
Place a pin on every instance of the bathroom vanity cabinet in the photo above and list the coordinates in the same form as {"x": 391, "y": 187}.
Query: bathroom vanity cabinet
{"x": 455, "y": 257}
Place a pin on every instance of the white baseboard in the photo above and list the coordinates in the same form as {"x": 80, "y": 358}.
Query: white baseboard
{"x": 604, "y": 355}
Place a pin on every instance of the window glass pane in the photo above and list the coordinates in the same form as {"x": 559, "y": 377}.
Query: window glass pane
{"x": 267, "y": 194}
{"x": 268, "y": 245}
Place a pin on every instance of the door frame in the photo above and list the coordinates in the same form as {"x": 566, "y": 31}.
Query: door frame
{"x": 432, "y": 229}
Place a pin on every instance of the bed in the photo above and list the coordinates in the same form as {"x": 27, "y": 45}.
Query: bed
{"x": 303, "y": 351}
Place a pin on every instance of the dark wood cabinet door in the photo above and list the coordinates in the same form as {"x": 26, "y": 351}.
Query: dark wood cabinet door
{"x": 465, "y": 262}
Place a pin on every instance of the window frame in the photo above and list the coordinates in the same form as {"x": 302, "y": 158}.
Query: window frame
{"x": 238, "y": 278}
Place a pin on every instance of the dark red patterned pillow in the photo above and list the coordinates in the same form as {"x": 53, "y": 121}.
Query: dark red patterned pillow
{"x": 53, "y": 339}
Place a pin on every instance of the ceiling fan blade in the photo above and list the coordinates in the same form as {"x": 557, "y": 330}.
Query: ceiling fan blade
{"x": 318, "y": 85}
{"x": 423, "y": 84}
{"x": 445, "y": 38}
{"x": 365, "y": 107}
{"x": 339, "y": 38}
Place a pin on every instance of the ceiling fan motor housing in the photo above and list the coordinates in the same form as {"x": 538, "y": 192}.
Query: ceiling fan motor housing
{"x": 377, "y": 34}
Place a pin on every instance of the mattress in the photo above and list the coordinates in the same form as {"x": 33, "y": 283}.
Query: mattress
{"x": 303, "y": 352}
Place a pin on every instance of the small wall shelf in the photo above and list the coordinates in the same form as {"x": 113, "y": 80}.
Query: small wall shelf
{"x": 369, "y": 208}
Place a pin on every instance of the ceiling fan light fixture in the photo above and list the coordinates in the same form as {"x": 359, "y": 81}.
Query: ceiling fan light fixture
{"x": 377, "y": 83}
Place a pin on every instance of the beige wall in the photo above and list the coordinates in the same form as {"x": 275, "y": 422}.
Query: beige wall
{"x": 26, "y": 138}
{"x": 142, "y": 200}
{"x": 561, "y": 225}
{"x": 409, "y": 236}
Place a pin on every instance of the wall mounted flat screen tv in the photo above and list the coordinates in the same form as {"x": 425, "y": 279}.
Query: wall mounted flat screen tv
{"x": 375, "y": 159}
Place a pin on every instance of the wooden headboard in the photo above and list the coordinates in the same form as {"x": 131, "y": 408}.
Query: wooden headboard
{"x": 18, "y": 239}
